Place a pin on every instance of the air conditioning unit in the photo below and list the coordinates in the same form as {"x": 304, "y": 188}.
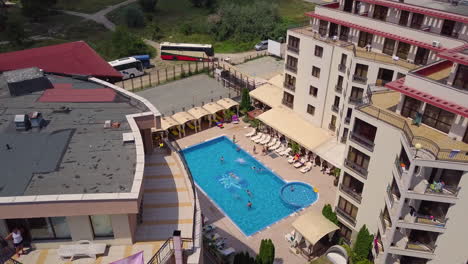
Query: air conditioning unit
{"x": 436, "y": 43}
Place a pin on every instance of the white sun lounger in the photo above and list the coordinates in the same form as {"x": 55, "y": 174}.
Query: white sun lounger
{"x": 228, "y": 251}
{"x": 281, "y": 149}
{"x": 272, "y": 142}
{"x": 307, "y": 167}
{"x": 82, "y": 248}
{"x": 275, "y": 146}
{"x": 266, "y": 140}
{"x": 259, "y": 135}
{"x": 285, "y": 152}
{"x": 291, "y": 159}
{"x": 258, "y": 140}
{"x": 300, "y": 163}
{"x": 251, "y": 133}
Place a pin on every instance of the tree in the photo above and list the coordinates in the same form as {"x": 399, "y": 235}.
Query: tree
{"x": 327, "y": 211}
{"x": 243, "y": 258}
{"x": 148, "y": 5}
{"x": 125, "y": 44}
{"x": 36, "y": 9}
{"x": 15, "y": 31}
{"x": 267, "y": 252}
{"x": 363, "y": 244}
{"x": 197, "y": 3}
{"x": 154, "y": 31}
{"x": 3, "y": 16}
{"x": 295, "y": 148}
{"x": 245, "y": 104}
{"x": 134, "y": 17}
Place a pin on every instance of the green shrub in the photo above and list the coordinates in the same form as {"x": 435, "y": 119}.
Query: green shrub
{"x": 124, "y": 44}
{"x": 148, "y": 5}
{"x": 327, "y": 211}
{"x": 295, "y": 147}
{"x": 266, "y": 254}
{"x": 245, "y": 104}
{"x": 134, "y": 17}
{"x": 186, "y": 28}
{"x": 363, "y": 244}
{"x": 15, "y": 31}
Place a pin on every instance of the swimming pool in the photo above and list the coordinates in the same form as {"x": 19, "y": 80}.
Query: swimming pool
{"x": 226, "y": 183}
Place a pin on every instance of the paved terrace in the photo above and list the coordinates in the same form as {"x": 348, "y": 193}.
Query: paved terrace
{"x": 276, "y": 232}
{"x": 382, "y": 108}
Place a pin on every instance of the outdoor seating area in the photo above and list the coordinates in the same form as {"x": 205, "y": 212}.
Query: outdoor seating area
{"x": 216, "y": 242}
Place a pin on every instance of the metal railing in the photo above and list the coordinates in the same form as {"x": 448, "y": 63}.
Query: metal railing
{"x": 359, "y": 79}
{"x": 382, "y": 221}
{"x": 345, "y": 215}
{"x": 366, "y": 143}
{"x": 164, "y": 253}
{"x": 347, "y": 120}
{"x": 293, "y": 49}
{"x": 291, "y": 68}
{"x": 355, "y": 100}
{"x": 430, "y": 220}
{"x": 342, "y": 68}
{"x": 289, "y": 86}
{"x": 344, "y": 139}
{"x": 451, "y": 191}
{"x": 398, "y": 166}
{"x": 335, "y": 108}
{"x": 288, "y": 104}
{"x": 338, "y": 88}
{"x": 415, "y": 245}
{"x": 349, "y": 191}
{"x": 332, "y": 126}
{"x": 356, "y": 168}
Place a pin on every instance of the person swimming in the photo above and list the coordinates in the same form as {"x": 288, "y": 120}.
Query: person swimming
{"x": 249, "y": 204}
{"x": 237, "y": 149}
{"x": 233, "y": 176}
{"x": 248, "y": 192}
{"x": 254, "y": 168}
{"x": 291, "y": 188}
{"x": 222, "y": 159}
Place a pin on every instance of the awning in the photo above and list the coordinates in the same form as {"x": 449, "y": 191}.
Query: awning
{"x": 333, "y": 152}
{"x": 213, "y": 108}
{"x": 294, "y": 127}
{"x": 183, "y": 117}
{"x": 277, "y": 80}
{"x": 227, "y": 103}
{"x": 313, "y": 226}
{"x": 198, "y": 112}
{"x": 166, "y": 123}
{"x": 268, "y": 94}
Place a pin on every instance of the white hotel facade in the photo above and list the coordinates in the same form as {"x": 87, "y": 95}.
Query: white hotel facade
{"x": 390, "y": 80}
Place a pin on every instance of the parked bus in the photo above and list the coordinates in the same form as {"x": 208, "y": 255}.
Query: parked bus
{"x": 187, "y": 52}
{"x": 128, "y": 67}
{"x": 145, "y": 60}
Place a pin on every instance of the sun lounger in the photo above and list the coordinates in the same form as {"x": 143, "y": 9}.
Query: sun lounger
{"x": 258, "y": 140}
{"x": 285, "y": 152}
{"x": 272, "y": 142}
{"x": 298, "y": 164}
{"x": 191, "y": 126}
{"x": 235, "y": 119}
{"x": 251, "y": 133}
{"x": 228, "y": 251}
{"x": 292, "y": 159}
{"x": 82, "y": 248}
{"x": 290, "y": 236}
{"x": 281, "y": 149}
{"x": 275, "y": 146}
{"x": 266, "y": 140}
{"x": 174, "y": 132}
{"x": 307, "y": 167}
{"x": 259, "y": 135}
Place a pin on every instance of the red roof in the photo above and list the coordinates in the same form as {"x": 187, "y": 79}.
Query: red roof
{"x": 420, "y": 10}
{"x": 65, "y": 93}
{"x": 75, "y": 58}
{"x": 377, "y": 32}
{"x": 457, "y": 54}
{"x": 399, "y": 86}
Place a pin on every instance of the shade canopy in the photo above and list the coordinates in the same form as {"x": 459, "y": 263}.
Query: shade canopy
{"x": 227, "y": 103}
{"x": 183, "y": 117}
{"x": 213, "y": 108}
{"x": 268, "y": 94}
{"x": 166, "y": 123}
{"x": 313, "y": 226}
{"x": 333, "y": 152}
{"x": 293, "y": 126}
{"x": 198, "y": 112}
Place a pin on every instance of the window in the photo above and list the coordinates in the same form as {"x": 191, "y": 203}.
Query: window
{"x": 310, "y": 109}
{"x": 417, "y": 20}
{"x": 313, "y": 91}
{"x": 389, "y": 46}
{"x": 318, "y": 51}
{"x": 422, "y": 55}
{"x": 102, "y": 226}
{"x": 333, "y": 30}
{"x": 380, "y": 12}
{"x": 364, "y": 39}
{"x": 403, "y": 50}
{"x": 438, "y": 118}
{"x": 364, "y": 134}
{"x": 361, "y": 70}
{"x": 447, "y": 27}
{"x": 316, "y": 72}
{"x": 293, "y": 43}
{"x": 344, "y": 33}
{"x": 323, "y": 28}
{"x": 339, "y": 84}
{"x": 288, "y": 99}
{"x": 332, "y": 125}
{"x": 404, "y": 18}
{"x": 461, "y": 78}
{"x": 336, "y": 102}
{"x": 384, "y": 76}
{"x": 410, "y": 107}
{"x": 291, "y": 63}
{"x": 348, "y": 208}
{"x": 356, "y": 94}
{"x": 344, "y": 57}
{"x": 48, "y": 228}
{"x": 345, "y": 232}
{"x": 358, "y": 158}
{"x": 289, "y": 82}
{"x": 465, "y": 138}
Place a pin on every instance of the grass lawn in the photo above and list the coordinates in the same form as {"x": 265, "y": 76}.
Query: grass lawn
{"x": 172, "y": 14}
{"x": 85, "y": 6}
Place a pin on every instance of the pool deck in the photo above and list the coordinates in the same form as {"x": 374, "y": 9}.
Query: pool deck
{"x": 226, "y": 228}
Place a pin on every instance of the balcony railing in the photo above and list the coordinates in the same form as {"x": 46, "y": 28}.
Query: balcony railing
{"x": 351, "y": 193}
{"x": 430, "y": 220}
{"x": 342, "y": 68}
{"x": 356, "y": 168}
{"x": 338, "y": 88}
{"x": 293, "y": 49}
{"x": 335, "y": 108}
{"x": 344, "y": 139}
{"x": 415, "y": 245}
{"x": 289, "y": 86}
{"x": 366, "y": 143}
{"x": 332, "y": 126}
{"x": 359, "y": 79}
{"x": 347, "y": 119}
{"x": 390, "y": 196}
{"x": 291, "y": 68}
{"x": 288, "y": 104}
{"x": 440, "y": 189}
{"x": 355, "y": 100}
{"x": 346, "y": 216}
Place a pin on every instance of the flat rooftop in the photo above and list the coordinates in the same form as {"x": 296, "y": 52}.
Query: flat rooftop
{"x": 461, "y": 8}
{"x": 73, "y": 153}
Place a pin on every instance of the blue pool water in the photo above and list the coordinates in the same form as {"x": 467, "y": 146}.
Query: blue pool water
{"x": 226, "y": 183}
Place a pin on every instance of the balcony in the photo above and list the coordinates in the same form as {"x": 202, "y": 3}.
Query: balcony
{"x": 351, "y": 193}
{"x": 362, "y": 141}
{"x": 332, "y": 126}
{"x": 340, "y": 212}
{"x": 342, "y": 68}
{"x": 344, "y": 139}
{"x": 359, "y": 79}
{"x": 386, "y": 223}
{"x": 415, "y": 245}
{"x": 338, "y": 88}
{"x": 288, "y": 104}
{"x": 335, "y": 108}
{"x": 293, "y": 49}
{"x": 289, "y": 86}
{"x": 292, "y": 69}
{"x": 356, "y": 168}
{"x": 439, "y": 188}
{"x": 355, "y": 100}
{"x": 347, "y": 120}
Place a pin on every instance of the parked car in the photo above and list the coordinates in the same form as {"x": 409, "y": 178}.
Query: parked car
{"x": 262, "y": 45}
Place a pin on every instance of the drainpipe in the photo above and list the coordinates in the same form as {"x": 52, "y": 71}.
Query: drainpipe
{"x": 177, "y": 247}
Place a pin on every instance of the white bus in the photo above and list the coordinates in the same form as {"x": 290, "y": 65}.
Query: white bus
{"x": 186, "y": 51}
{"x": 129, "y": 67}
